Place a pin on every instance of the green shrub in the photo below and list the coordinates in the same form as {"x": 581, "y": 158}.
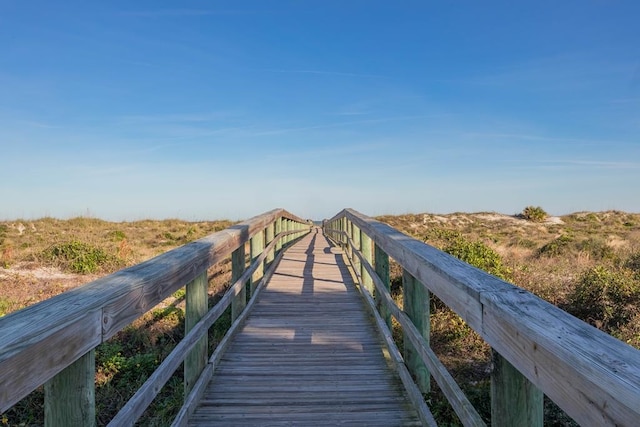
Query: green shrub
{"x": 117, "y": 235}
{"x": 556, "y": 247}
{"x": 534, "y": 213}
{"x": 79, "y": 257}
{"x": 605, "y": 298}
{"x": 5, "y": 306}
{"x": 479, "y": 255}
{"x": 3, "y": 232}
{"x": 633, "y": 264}
{"x": 597, "y": 249}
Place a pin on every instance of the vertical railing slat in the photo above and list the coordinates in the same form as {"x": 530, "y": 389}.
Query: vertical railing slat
{"x": 70, "y": 395}
{"x": 196, "y": 307}
{"x": 238, "y": 264}
{"x": 366, "y": 249}
{"x": 515, "y": 401}
{"x": 415, "y": 302}
{"x": 278, "y": 230}
{"x": 355, "y": 238}
{"x": 257, "y": 246}
{"x": 269, "y": 236}
{"x": 381, "y": 265}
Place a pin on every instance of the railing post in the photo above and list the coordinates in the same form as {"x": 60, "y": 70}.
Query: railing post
{"x": 382, "y": 269}
{"x": 415, "y": 300}
{"x": 286, "y": 226}
{"x": 515, "y": 401}
{"x": 355, "y": 237}
{"x": 348, "y": 247}
{"x": 238, "y": 265}
{"x": 69, "y": 397}
{"x": 269, "y": 236}
{"x": 278, "y": 230}
{"x": 366, "y": 249}
{"x": 196, "y": 307}
{"x": 257, "y": 246}
{"x": 343, "y": 228}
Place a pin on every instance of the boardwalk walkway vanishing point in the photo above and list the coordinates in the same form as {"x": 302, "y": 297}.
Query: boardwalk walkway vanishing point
{"x": 308, "y": 353}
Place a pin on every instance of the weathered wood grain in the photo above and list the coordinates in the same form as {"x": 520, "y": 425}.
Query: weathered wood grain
{"x": 80, "y": 319}
{"x": 414, "y": 394}
{"x": 416, "y": 304}
{"x": 456, "y": 397}
{"x": 589, "y": 374}
{"x": 238, "y": 262}
{"x": 134, "y": 408}
{"x": 515, "y": 401}
{"x": 592, "y": 376}
{"x": 30, "y": 362}
{"x": 191, "y": 400}
{"x": 307, "y": 340}
{"x": 197, "y": 298}
{"x": 70, "y": 395}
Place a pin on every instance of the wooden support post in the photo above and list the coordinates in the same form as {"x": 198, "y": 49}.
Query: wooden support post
{"x": 196, "y": 307}
{"x": 356, "y": 243}
{"x": 415, "y": 297}
{"x": 238, "y": 265}
{"x": 69, "y": 397}
{"x": 286, "y": 226}
{"x": 278, "y": 230}
{"x": 343, "y": 228}
{"x": 515, "y": 401}
{"x": 382, "y": 269}
{"x": 366, "y": 248}
{"x": 257, "y": 246}
{"x": 346, "y": 239}
{"x": 269, "y": 236}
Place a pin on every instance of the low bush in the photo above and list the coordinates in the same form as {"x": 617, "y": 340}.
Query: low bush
{"x": 557, "y": 247}
{"x": 597, "y": 249}
{"x": 534, "y": 213}
{"x": 633, "y": 264}
{"x": 79, "y": 257}
{"x": 479, "y": 255}
{"x": 606, "y": 298}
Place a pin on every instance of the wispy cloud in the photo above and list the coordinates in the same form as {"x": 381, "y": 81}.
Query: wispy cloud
{"x": 327, "y": 73}
{"x": 36, "y": 124}
{"x": 568, "y": 71}
{"x": 315, "y": 153}
{"x": 161, "y": 13}
{"x": 540, "y": 138}
{"x": 600, "y": 164}
{"x": 339, "y": 124}
{"x": 177, "y": 117}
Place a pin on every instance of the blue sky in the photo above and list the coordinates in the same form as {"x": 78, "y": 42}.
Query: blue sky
{"x": 226, "y": 109}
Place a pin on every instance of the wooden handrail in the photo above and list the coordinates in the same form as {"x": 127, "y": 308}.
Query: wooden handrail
{"x": 456, "y": 397}
{"x": 139, "y": 402}
{"x": 592, "y": 376}
{"x": 77, "y": 321}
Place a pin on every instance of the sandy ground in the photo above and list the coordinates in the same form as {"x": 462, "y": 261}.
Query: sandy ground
{"x": 22, "y": 284}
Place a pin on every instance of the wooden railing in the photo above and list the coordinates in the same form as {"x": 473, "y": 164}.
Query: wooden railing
{"x": 53, "y": 342}
{"x": 537, "y": 348}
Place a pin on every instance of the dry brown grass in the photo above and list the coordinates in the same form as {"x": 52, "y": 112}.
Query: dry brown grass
{"x": 126, "y": 360}
{"x": 27, "y": 276}
{"x": 586, "y": 239}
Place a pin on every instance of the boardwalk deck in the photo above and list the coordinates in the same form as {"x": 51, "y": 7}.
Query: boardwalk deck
{"x": 308, "y": 354}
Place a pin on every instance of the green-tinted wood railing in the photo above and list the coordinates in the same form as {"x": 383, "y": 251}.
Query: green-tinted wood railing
{"x": 537, "y": 348}
{"x": 53, "y": 342}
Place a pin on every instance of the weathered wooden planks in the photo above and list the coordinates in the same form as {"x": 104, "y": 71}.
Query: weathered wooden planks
{"x": 78, "y": 320}
{"x": 591, "y": 375}
{"x": 308, "y": 354}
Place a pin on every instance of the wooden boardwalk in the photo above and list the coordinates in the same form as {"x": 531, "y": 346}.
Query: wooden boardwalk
{"x": 308, "y": 354}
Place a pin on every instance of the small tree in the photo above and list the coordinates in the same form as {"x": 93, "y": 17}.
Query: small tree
{"x": 534, "y": 213}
